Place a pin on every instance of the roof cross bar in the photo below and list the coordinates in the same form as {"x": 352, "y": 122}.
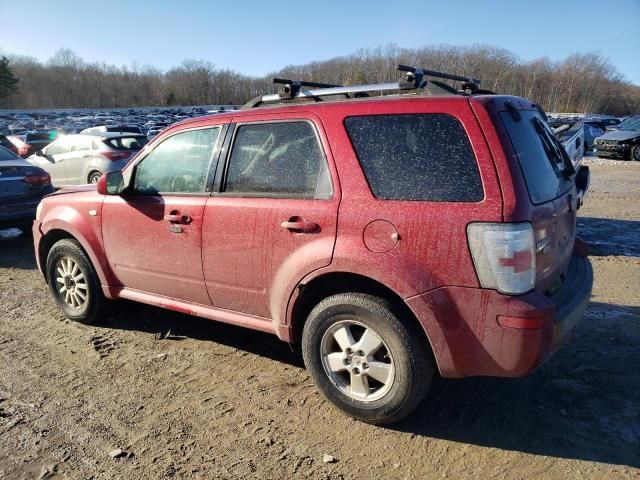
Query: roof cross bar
{"x": 290, "y": 88}
{"x": 414, "y": 78}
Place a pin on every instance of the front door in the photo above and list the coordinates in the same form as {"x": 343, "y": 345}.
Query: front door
{"x": 273, "y": 220}
{"x": 153, "y": 232}
{"x": 53, "y": 159}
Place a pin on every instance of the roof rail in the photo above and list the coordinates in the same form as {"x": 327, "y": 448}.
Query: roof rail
{"x": 413, "y": 79}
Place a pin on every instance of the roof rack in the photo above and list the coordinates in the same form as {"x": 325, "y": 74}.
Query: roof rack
{"x": 414, "y": 78}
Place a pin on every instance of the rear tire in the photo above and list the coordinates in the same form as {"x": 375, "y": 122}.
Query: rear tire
{"x": 94, "y": 176}
{"x": 365, "y": 359}
{"x": 74, "y": 283}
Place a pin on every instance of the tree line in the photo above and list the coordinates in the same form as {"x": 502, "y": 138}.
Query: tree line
{"x": 579, "y": 83}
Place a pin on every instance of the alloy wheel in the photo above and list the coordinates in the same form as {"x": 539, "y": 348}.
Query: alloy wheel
{"x": 71, "y": 283}
{"x": 357, "y": 360}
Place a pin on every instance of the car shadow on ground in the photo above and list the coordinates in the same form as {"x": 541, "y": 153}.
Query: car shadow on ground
{"x": 17, "y": 252}
{"x": 610, "y": 237}
{"x": 171, "y": 326}
{"x": 582, "y": 404}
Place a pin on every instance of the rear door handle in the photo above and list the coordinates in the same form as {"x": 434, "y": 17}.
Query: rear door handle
{"x": 176, "y": 217}
{"x": 299, "y": 225}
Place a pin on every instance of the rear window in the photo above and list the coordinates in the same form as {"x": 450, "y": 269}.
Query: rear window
{"x": 539, "y": 155}
{"x": 416, "y": 157}
{"x": 126, "y": 143}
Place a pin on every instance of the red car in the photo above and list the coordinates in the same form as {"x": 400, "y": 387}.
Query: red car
{"x": 393, "y": 237}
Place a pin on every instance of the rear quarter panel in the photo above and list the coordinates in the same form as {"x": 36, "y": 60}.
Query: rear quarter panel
{"x": 432, "y": 250}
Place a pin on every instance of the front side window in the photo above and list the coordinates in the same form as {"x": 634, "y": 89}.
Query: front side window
{"x": 278, "y": 159}
{"x": 180, "y": 164}
{"x": 416, "y": 157}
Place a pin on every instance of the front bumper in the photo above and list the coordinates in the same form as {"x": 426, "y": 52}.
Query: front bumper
{"x": 476, "y": 331}
{"x": 612, "y": 151}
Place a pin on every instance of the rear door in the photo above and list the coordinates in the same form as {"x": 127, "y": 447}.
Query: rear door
{"x": 547, "y": 173}
{"x": 273, "y": 219}
{"x": 75, "y": 164}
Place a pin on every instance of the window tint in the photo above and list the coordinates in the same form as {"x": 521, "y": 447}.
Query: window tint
{"x": 180, "y": 164}
{"x": 278, "y": 159}
{"x": 416, "y": 157}
{"x": 541, "y": 158}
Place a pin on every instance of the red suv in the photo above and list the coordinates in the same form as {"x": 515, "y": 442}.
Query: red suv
{"x": 392, "y": 237}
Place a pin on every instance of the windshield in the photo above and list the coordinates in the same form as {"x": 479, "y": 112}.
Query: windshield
{"x": 632, "y": 123}
{"x": 545, "y": 165}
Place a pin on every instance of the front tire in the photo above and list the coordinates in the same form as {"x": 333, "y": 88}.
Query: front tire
{"x": 365, "y": 359}
{"x": 635, "y": 153}
{"x": 74, "y": 283}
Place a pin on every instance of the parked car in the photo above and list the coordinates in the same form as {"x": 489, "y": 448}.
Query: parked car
{"x": 125, "y": 128}
{"x": 8, "y": 144}
{"x": 623, "y": 143}
{"x": 391, "y": 237}
{"x": 22, "y": 186}
{"x": 29, "y": 142}
{"x": 623, "y": 124}
{"x": 83, "y": 158}
{"x": 592, "y": 130}
{"x": 571, "y": 136}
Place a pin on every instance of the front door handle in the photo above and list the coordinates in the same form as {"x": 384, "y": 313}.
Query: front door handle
{"x": 299, "y": 225}
{"x": 177, "y": 217}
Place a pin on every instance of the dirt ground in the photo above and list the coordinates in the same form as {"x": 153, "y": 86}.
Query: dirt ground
{"x": 215, "y": 401}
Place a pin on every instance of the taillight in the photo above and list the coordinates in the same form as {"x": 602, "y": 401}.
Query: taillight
{"x": 116, "y": 155}
{"x": 504, "y": 256}
{"x": 40, "y": 179}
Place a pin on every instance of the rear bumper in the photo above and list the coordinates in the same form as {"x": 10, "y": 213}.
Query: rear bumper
{"x": 482, "y": 332}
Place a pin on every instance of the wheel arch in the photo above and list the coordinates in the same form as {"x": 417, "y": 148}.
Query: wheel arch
{"x": 309, "y": 294}
{"x": 91, "y": 244}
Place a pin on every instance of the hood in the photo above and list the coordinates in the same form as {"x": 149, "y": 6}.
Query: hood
{"x": 75, "y": 188}
{"x": 620, "y": 135}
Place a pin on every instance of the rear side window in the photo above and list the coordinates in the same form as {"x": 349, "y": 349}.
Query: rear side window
{"x": 539, "y": 155}
{"x": 416, "y": 157}
{"x": 127, "y": 143}
{"x": 278, "y": 160}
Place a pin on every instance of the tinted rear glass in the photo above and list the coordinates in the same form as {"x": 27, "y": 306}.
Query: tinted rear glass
{"x": 416, "y": 157}
{"x": 534, "y": 146}
{"x": 126, "y": 143}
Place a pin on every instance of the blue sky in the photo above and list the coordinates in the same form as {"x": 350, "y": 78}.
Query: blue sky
{"x": 255, "y": 38}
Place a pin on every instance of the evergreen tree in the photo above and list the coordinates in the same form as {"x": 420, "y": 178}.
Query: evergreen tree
{"x": 8, "y": 81}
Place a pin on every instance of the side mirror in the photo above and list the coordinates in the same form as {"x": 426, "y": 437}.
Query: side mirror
{"x": 111, "y": 183}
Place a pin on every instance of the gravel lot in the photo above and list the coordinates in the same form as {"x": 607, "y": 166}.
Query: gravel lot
{"x": 215, "y": 401}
